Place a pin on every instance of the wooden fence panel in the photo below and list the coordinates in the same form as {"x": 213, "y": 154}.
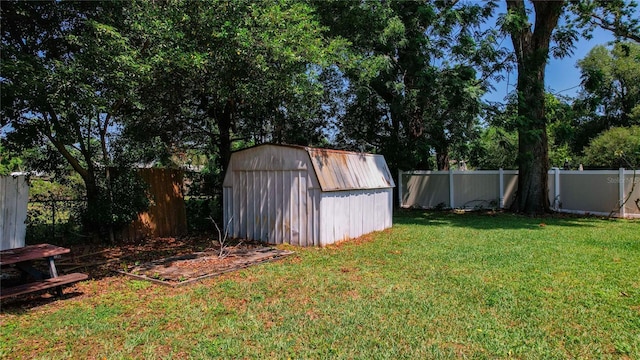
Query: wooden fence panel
{"x": 14, "y": 196}
{"x": 167, "y": 215}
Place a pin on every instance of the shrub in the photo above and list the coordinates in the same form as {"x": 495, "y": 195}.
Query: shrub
{"x": 614, "y": 148}
{"x": 200, "y": 211}
{"x": 117, "y": 208}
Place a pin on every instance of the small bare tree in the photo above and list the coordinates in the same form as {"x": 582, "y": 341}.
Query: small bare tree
{"x": 222, "y": 240}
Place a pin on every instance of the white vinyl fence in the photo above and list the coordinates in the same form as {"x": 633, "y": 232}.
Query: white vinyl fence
{"x": 14, "y": 196}
{"x": 597, "y": 192}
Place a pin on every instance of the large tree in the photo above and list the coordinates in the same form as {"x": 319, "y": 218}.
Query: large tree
{"x": 532, "y": 35}
{"x": 228, "y": 73}
{"x": 68, "y": 69}
{"x": 531, "y": 47}
{"x": 414, "y": 75}
{"x": 610, "y": 92}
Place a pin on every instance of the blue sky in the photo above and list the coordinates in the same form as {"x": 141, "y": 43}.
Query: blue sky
{"x": 562, "y": 75}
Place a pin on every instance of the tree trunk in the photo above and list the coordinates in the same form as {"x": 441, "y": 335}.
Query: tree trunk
{"x": 93, "y": 202}
{"x": 88, "y": 177}
{"x": 392, "y": 148}
{"x": 441, "y": 146}
{"x": 225, "y": 122}
{"x": 442, "y": 160}
{"x": 532, "y": 51}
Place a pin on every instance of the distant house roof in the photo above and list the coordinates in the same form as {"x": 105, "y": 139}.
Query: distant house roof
{"x": 29, "y": 173}
{"x": 336, "y": 170}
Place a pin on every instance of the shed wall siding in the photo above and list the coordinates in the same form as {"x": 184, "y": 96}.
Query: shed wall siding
{"x": 274, "y": 206}
{"x": 269, "y": 158}
{"x": 350, "y": 214}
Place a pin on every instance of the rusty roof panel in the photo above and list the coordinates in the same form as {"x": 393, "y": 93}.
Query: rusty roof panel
{"x": 343, "y": 170}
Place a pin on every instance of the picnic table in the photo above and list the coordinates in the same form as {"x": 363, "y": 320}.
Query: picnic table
{"x": 32, "y": 278}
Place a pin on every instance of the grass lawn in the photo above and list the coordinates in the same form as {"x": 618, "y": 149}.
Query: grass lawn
{"x": 437, "y": 285}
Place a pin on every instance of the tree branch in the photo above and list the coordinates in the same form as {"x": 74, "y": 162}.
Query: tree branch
{"x": 519, "y": 38}
{"x": 618, "y": 30}
{"x": 75, "y": 164}
{"x": 104, "y": 128}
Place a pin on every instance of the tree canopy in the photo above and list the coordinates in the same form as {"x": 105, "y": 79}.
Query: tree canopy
{"x": 68, "y": 68}
{"x": 610, "y": 95}
{"x": 91, "y": 85}
{"x": 232, "y": 72}
{"x": 414, "y": 75}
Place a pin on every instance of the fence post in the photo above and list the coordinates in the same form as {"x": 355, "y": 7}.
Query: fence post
{"x": 501, "y": 187}
{"x": 451, "y": 197}
{"x": 556, "y": 188}
{"x": 400, "y": 188}
{"x": 621, "y": 194}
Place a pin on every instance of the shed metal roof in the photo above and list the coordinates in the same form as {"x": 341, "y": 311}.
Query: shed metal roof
{"x": 344, "y": 170}
{"x": 336, "y": 170}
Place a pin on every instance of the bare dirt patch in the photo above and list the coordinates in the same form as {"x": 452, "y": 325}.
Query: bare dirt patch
{"x": 184, "y": 269}
{"x": 102, "y": 260}
{"x": 194, "y": 256}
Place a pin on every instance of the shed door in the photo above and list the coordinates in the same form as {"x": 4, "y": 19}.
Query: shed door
{"x": 272, "y": 206}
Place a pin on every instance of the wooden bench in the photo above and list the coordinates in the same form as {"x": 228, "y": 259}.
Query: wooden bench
{"x": 22, "y": 258}
{"x": 42, "y": 285}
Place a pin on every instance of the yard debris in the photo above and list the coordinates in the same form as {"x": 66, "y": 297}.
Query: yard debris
{"x": 101, "y": 261}
{"x": 185, "y": 269}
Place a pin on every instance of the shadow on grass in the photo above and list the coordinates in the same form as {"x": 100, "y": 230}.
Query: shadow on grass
{"x": 21, "y": 304}
{"x": 488, "y": 219}
{"x": 99, "y": 261}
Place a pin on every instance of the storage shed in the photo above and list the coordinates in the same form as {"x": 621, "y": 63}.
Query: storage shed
{"x": 306, "y": 196}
